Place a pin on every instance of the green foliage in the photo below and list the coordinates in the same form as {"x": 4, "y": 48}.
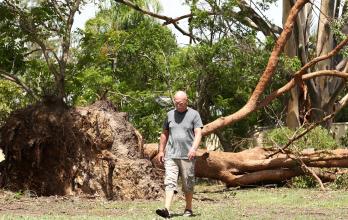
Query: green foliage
{"x": 89, "y": 84}
{"x": 342, "y": 116}
{"x": 144, "y": 112}
{"x": 319, "y": 138}
{"x": 128, "y": 55}
{"x": 344, "y": 140}
{"x": 38, "y": 77}
{"x": 291, "y": 65}
{"x": 18, "y": 195}
{"x": 303, "y": 182}
{"x": 341, "y": 182}
{"x": 336, "y": 26}
{"x": 136, "y": 60}
{"x": 11, "y": 98}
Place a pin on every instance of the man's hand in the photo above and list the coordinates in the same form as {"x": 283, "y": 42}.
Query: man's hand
{"x": 161, "y": 156}
{"x": 192, "y": 153}
{"x": 163, "y": 141}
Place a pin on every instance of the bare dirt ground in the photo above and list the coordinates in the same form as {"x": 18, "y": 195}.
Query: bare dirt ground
{"x": 211, "y": 202}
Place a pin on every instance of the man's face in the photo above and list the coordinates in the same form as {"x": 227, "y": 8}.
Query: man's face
{"x": 180, "y": 103}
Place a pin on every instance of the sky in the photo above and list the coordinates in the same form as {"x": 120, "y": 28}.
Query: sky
{"x": 173, "y": 8}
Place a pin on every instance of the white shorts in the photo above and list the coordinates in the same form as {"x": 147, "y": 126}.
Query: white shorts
{"x": 186, "y": 169}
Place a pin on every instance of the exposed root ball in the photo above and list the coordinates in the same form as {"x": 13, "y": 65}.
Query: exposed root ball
{"x": 54, "y": 150}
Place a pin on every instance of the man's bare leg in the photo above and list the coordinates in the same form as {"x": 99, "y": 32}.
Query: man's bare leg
{"x": 168, "y": 199}
{"x": 188, "y": 198}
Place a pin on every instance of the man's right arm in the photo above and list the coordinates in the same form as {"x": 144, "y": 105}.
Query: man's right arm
{"x": 163, "y": 142}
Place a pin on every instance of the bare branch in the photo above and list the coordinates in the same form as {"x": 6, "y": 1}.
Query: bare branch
{"x": 30, "y": 52}
{"x": 56, "y": 10}
{"x": 175, "y": 20}
{"x": 261, "y": 24}
{"x": 323, "y": 57}
{"x": 256, "y": 21}
{"x": 138, "y": 8}
{"x": 307, "y": 169}
{"x": 16, "y": 80}
{"x": 292, "y": 83}
{"x": 168, "y": 20}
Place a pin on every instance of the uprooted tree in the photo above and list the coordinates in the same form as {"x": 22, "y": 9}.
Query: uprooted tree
{"x": 54, "y": 149}
{"x": 51, "y": 148}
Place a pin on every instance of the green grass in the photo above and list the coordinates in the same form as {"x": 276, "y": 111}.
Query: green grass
{"x": 210, "y": 202}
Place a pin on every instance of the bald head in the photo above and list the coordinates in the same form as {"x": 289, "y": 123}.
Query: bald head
{"x": 180, "y": 94}
{"x": 180, "y": 101}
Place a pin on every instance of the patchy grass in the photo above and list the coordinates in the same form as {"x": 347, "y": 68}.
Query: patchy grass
{"x": 210, "y": 202}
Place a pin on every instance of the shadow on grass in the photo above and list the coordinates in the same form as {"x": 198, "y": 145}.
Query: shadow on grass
{"x": 173, "y": 215}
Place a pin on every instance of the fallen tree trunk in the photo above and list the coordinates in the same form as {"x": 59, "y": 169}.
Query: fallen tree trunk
{"x": 254, "y": 166}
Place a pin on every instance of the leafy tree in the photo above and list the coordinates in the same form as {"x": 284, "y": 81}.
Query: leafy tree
{"x": 125, "y": 54}
{"x": 41, "y": 31}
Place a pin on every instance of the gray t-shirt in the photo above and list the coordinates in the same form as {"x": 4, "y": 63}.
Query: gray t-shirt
{"x": 181, "y": 127}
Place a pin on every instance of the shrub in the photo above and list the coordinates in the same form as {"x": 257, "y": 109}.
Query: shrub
{"x": 341, "y": 182}
{"x": 319, "y": 138}
{"x": 303, "y": 182}
{"x": 344, "y": 140}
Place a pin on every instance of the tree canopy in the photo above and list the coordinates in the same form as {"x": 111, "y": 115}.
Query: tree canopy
{"x": 128, "y": 55}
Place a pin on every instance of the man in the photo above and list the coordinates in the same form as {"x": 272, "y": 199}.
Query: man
{"x": 179, "y": 140}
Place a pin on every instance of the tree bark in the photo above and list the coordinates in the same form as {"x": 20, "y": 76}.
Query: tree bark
{"x": 324, "y": 90}
{"x": 253, "y": 167}
{"x": 296, "y": 46}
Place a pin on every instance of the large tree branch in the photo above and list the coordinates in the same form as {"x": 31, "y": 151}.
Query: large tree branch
{"x": 260, "y": 24}
{"x": 253, "y": 20}
{"x": 304, "y": 69}
{"x": 168, "y": 20}
{"x": 292, "y": 83}
{"x": 250, "y": 167}
{"x": 252, "y": 103}
{"x": 246, "y": 110}
{"x": 16, "y": 80}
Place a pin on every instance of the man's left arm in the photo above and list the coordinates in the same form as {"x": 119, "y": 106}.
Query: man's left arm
{"x": 195, "y": 144}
